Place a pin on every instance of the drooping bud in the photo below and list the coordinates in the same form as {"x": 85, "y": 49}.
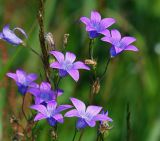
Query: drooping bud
{"x": 90, "y": 62}
{"x": 96, "y": 86}
{"x": 49, "y": 41}
{"x": 65, "y": 40}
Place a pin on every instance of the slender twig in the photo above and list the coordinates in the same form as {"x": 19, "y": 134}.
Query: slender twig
{"x": 23, "y": 102}
{"x": 75, "y": 133}
{"x": 128, "y": 122}
{"x": 81, "y": 135}
{"x": 105, "y": 70}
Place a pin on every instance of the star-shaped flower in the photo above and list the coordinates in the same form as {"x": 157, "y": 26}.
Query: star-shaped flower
{"x": 44, "y": 93}
{"x": 23, "y": 80}
{"x": 86, "y": 116}
{"x": 9, "y": 35}
{"x": 95, "y": 25}
{"x": 51, "y": 112}
{"x": 119, "y": 44}
{"x": 66, "y": 65}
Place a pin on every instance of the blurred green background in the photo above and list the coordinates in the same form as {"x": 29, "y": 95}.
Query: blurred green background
{"x": 132, "y": 78}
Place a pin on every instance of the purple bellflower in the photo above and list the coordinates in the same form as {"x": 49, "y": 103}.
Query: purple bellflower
{"x": 95, "y": 25}
{"x": 106, "y": 114}
{"x": 51, "y": 112}
{"x": 66, "y": 65}
{"x": 44, "y": 93}
{"x": 119, "y": 44}
{"x": 86, "y": 116}
{"x": 9, "y": 35}
{"x": 23, "y": 80}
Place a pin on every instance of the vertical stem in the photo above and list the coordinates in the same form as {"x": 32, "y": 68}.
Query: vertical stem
{"x": 91, "y": 49}
{"x": 45, "y": 56}
{"x": 128, "y": 122}
{"x": 74, "y": 136}
{"x": 23, "y": 108}
{"x": 81, "y": 135}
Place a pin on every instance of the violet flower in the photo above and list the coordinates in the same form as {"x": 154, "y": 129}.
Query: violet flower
{"x": 23, "y": 80}
{"x": 106, "y": 114}
{"x": 119, "y": 44}
{"x": 44, "y": 93}
{"x": 66, "y": 65}
{"x": 9, "y": 35}
{"x": 95, "y": 25}
{"x": 86, "y": 116}
{"x": 51, "y": 112}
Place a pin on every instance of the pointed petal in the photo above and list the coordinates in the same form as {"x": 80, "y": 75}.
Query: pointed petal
{"x": 55, "y": 65}
{"x": 116, "y": 34}
{"x": 62, "y": 108}
{"x": 95, "y": 16}
{"x": 40, "y": 108}
{"x": 107, "y": 39}
{"x": 34, "y": 91}
{"x": 58, "y": 117}
{"x": 51, "y": 106}
{"x": 39, "y": 116}
{"x": 13, "y": 76}
{"x": 131, "y": 47}
{"x": 45, "y": 86}
{"x": 106, "y": 22}
{"x": 72, "y": 113}
{"x": 80, "y": 65}
{"x": 91, "y": 123}
{"x": 89, "y": 28}
{"x": 105, "y": 32}
{"x": 21, "y": 30}
{"x": 85, "y": 20}
{"x": 33, "y": 85}
{"x": 79, "y": 105}
{"x": 74, "y": 74}
{"x": 128, "y": 40}
{"x": 31, "y": 77}
{"x": 58, "y": 55}
{"x": 70, "y": 57}
{"x": 93, "y": 110}
{"x": 101, "y": 117}
{"x": 21, "y": 75}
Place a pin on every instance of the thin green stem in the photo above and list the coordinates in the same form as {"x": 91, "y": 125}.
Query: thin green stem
{"x": 75, "y": 133}
{"x": 106, "y": 67}
{"x": 81, "y": 135}
{"x": 23, "y": 108}
{"x": 91, "y": 49}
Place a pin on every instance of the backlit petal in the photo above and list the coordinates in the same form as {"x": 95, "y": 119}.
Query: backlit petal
{"x": 74, "y": 74}
{"x": 58, "y": 55}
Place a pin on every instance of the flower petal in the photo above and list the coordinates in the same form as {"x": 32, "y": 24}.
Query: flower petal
{"x": 107, "y": 39}
{"x": 34, "y": 91}
{"x": 116, "y": 34}
{"x": 72, "y": 113}
{"x": 79, "y": 105}
{"x": 89, "y": 28}
{"x": 93, "y": 110}
{"x": 45, "y": 86}
{"x": 40, "y": 108}
{"x": 105, "y": 32}
{"x": 80, "y": 65}
{"x": 39, "y": 116}
{"x": 31, "y": 77}
{"x": 55, "y": 65}
{"x": 51, "y": 106}
{"x": 106, "y": 22}
{"x": 13, "y": 76}
{"x": 58, "y": 117}
{"x": 74, "y": 74}
{"x": 91, "y": 123}
{"x": 1, "y": 35}
{"x": 128, "y": 40}
{"x": 21, "y": 75}
{"x": 101, "y": 117}
{"x": 70, "y": 57}
{"x": 21, "y": 30}
{"x": 58, "y": 55}
{"x": 62, "y": 108}
{"x": 95, "y": 16}
{"x": 85, "y": 20}
{"x": 131, "y": 47}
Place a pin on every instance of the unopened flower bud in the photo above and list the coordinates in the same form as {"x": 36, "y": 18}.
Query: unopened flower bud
{"x": 104, "y": 127}
{"x": 96, "y": 86}
{"x": 50, "y": 42}
{"x": 90, "y": 62}
{"x": 65, "y": 40}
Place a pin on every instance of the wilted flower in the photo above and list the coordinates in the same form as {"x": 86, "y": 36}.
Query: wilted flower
{"x": 86, "y": 116}
{"x": 44, "y": 93}
{"x": 95, "y": 25}
{"x": 9, "y": 35}
{"x": 23, "y": 80}
{"x": 51, "y": 112}
{"x": 119, "y": 44}
{"x": 66, "y": 65}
